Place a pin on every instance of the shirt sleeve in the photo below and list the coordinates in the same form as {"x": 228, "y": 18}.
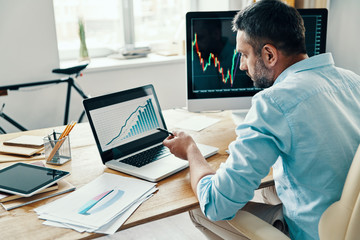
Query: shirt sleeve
{"x": 261, "y": 138}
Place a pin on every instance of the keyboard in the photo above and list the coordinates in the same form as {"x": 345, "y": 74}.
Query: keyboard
{"x": 148, "y": 156}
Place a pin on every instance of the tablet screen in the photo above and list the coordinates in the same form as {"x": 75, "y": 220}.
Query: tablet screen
{"x": 26, "y": 179}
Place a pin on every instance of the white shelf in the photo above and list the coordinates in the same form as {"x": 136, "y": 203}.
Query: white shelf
{"x": 109, "y": 64}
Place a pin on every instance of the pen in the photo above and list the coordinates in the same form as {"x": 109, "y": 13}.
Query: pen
{"x": 51, "y": 142}
{"x": 54, "y": 134}
{"x": 166, "y": 131}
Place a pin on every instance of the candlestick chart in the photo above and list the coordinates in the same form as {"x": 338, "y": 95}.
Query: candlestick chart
{"x": 226, "y": 72}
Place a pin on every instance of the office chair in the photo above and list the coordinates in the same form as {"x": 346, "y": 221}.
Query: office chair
{"x": 341, "y": 220}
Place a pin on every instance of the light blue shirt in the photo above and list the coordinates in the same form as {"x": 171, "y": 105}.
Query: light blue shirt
{"x": 307, "y": 127}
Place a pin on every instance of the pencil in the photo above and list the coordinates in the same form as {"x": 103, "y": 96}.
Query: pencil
{"x": 66, "y": 131}
{"x": 62, "y": 138}
{"x": 54, "y": 150}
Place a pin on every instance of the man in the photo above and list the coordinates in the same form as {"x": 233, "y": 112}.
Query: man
{"x": 306, "y": 125}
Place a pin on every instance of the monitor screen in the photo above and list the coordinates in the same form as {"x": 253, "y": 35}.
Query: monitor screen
{"x": 214, "y": 80}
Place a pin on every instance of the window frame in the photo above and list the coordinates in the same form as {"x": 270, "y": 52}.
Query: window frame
{"x": 128, "y": 33}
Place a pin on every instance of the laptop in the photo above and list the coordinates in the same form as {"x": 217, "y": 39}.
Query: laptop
{"x": 125, "y": 125}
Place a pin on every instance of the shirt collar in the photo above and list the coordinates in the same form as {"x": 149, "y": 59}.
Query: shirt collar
{"x": 306, "y": 64}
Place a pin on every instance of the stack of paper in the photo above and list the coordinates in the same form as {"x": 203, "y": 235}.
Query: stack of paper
{"x": 24, "y": 145}
{"x": 101, "y": 206}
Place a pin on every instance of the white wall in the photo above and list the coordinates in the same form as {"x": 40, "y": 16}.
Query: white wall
{"x": 41, "y": 107}
{"x": 168, "y": 79}
{"x": 28, "y": 53}
{"x": 28, "y": 45}
{"x": 344, "y": 33}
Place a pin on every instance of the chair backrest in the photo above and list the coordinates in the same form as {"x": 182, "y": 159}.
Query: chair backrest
{"x": 342, "y": 219}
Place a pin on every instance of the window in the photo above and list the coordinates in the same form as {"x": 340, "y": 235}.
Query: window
{"x": 157, "y": 20}
{"x": 112, "y": 24}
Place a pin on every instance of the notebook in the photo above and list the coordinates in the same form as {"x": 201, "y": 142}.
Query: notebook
{"x": 26, "y": 141}
{"x": 125, "y": 125}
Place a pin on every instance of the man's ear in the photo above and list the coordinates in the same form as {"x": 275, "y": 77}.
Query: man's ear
{"x": 270, "y": 55}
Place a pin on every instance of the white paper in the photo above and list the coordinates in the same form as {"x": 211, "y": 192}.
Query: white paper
{"x": 125, "y": 192}
{"x": 197, "y": 123}
{"x": 114, "y": 225}
{"x": 109, "y": 228}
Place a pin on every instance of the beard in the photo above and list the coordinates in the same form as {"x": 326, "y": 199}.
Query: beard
{"x": 261, "y": 77}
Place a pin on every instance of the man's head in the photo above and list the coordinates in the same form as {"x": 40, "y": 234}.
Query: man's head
{"x": 270, "y": 37}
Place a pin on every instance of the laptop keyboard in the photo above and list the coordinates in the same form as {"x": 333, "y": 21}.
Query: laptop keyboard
{"x": 147, "y": 156}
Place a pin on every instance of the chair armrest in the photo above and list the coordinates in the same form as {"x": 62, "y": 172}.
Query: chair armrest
{"x": 255, "y": 228}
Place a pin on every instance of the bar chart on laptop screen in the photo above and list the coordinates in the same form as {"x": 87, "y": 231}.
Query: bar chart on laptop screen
{"x": 124, "y": 122}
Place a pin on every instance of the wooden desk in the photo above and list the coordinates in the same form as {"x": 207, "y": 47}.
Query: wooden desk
{"x": 173, "y": 197}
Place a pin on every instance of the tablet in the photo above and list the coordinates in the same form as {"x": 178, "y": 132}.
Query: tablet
{"x": 26, "y": 179}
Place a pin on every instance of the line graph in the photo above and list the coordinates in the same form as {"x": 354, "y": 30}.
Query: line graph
{"x": 141, "y": 120}
{"x": 123, "y": 122}
{"x": 226, "y": 75}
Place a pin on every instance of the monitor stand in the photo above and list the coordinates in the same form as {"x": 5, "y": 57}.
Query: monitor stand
{"x": 238, "y": 116}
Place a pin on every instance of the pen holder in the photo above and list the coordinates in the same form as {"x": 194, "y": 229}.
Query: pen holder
{"x": 57, "y": 151}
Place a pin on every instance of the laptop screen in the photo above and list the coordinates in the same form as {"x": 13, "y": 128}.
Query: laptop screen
{"x": 125, "y": 122}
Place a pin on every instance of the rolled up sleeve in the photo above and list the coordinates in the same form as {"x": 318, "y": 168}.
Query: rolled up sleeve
{"x": 263, "y": 136}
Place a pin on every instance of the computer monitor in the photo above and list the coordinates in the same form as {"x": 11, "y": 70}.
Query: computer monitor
{"x": 214, "y": 81}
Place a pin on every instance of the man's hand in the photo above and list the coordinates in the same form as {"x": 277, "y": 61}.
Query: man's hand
{"x": 183, "y": 146}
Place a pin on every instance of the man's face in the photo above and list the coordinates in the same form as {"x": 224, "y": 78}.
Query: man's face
{"x": 252, "y": 63}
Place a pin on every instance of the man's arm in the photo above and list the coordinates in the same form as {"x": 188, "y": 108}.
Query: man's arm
{"x": 183, "y": 146}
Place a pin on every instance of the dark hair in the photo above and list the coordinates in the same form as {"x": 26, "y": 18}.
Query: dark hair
{"x": 274, "y": 22}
